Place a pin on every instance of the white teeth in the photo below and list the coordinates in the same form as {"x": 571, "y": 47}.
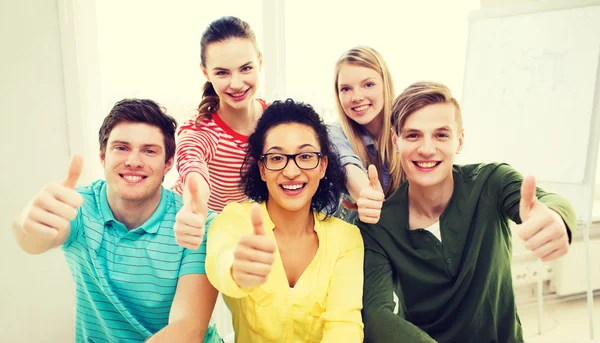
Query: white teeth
{"x": 291, "y": 187}
{"x": 426, "y": 164}
{"x": 237, "y": 95}
{"x": 361, "y": 108}
{"x": 132, "y": 177}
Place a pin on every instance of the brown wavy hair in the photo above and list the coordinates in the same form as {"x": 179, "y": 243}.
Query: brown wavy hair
{"x": 219, "y": 30}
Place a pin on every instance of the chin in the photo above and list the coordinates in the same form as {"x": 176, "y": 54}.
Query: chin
{"x": 364, "y": 120}
{"x": 293, "y": 206}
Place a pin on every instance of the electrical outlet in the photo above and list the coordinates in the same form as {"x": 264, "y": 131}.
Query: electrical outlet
{"x": 526, "y": 273}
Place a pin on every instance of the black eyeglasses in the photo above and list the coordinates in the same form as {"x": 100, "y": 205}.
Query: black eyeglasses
{"x": 304, "y": 160}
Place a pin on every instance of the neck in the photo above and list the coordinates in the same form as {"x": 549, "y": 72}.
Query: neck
{"x": 291, "y": 223}
{"x": 430, "y": 202}
{"x": 241, "y": 120}
{"x": 133, "y": 213}
{"x": 374, "y": 127}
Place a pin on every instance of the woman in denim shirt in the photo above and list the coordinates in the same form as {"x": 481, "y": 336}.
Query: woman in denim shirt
{"x": 365, "y": 92}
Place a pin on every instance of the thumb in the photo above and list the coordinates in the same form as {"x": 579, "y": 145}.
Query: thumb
{"x": 75, "y": 168}
{"x": 374, "y": 178}
{"x": 349, "y": 205}
{"x": 192, "y": 188}
{"x": 257, "y": 220}
{"x": 528, "y": 197}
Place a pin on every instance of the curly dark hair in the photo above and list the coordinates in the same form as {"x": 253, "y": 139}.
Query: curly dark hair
{"x": 330, "y": 188}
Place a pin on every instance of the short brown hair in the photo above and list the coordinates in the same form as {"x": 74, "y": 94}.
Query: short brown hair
{"x": 417, "y": 96}
{"x": 140, "y": 111}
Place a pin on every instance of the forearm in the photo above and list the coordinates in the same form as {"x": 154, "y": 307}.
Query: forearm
{"x": 356, "y": 180}
{"x": 383, "y": 326}
{"x": 381, "y": 323}
{"x": 219, "y": 273}
{"x": 184, "y": 330}
{"x": 31, "y": 244}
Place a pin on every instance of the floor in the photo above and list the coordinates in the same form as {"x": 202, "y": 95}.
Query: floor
{"x": 562, "y": 322}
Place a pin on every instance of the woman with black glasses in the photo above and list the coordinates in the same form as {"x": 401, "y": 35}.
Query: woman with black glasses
{"x": 288, "y": 271}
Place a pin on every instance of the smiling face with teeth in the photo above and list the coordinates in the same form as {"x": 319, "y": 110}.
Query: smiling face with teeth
{"x": 360, "y": 93}
{"x": 427, "y": 144}
{"x": 134, "y": 163}
{"x": 292, "y": 189}
{"x": 232, "y": 66}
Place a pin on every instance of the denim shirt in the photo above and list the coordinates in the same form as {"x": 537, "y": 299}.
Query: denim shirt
{"x": 347, "y": 156}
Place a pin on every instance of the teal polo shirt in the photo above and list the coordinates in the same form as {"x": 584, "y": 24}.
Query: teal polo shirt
{"x": 126, "y": 280}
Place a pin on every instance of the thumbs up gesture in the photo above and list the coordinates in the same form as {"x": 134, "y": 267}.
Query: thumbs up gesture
{"x": 254, "y": 254}
{"x": 49, "y": 214}
{"x": 542, "y": 229}
{"x": 190, "y": 220}
{"x": 370, "y": 199}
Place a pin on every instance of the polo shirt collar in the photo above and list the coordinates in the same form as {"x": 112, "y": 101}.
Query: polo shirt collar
{"x": 151, "y": 225}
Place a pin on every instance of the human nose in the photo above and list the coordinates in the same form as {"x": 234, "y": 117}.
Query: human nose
{"x": 236, "y": 81}
{"x": 427, "y": 147}
{"x": 357, "y": 96}
{"x": 291, "y": 170}
{"x": 134, "y": 160}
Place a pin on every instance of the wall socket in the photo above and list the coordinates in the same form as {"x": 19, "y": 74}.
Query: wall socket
{"x": 527, "y": 272}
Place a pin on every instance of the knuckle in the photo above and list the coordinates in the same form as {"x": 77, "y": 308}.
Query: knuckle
{"x": 27, "y": 226}
{"x": 39, "y": 201}
{"x": 72, "y": 213}
{"x": 64, "y": 225}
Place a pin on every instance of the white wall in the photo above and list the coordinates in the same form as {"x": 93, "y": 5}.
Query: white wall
{"x": 35, "y": 291}
{"x": 150, "y": 49}
{"x": 419, "y": 40}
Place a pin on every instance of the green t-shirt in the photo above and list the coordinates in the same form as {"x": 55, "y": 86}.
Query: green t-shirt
{"x": 459, "y": 290}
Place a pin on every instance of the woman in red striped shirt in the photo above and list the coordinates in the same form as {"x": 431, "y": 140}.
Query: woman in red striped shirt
{"x": 212, "y": 145}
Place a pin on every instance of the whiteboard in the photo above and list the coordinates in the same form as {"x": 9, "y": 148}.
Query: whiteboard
{"x": 529, "y": 89}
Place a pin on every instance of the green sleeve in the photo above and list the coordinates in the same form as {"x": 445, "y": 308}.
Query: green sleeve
{"x": 509, "y": 186}
{"x": 381, "y": 324}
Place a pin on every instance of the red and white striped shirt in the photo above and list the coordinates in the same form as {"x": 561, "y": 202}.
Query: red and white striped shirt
{"x": 215, "y": 151}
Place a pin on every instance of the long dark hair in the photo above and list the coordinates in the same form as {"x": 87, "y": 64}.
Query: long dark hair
{"x": 330, "y": 187}
{"x": 219, "y": 30}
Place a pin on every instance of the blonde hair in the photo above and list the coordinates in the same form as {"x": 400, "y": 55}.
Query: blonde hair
{"x": 417, "y": 96}
{"x": 367, "y": 57}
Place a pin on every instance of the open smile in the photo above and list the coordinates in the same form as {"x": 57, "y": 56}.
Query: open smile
{"x": 129, "y": 178}
{"x": 292, "y": 189}
{"x": 427, "y": 165}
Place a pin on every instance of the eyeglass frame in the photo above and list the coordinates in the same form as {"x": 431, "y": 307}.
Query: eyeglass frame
{"x": 293, "y": 157}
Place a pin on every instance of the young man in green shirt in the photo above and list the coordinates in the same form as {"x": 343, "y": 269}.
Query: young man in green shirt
{"x": 443, "y": 242}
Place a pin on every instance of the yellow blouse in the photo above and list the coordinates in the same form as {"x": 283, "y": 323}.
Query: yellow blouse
{"x": 323, "y": 306}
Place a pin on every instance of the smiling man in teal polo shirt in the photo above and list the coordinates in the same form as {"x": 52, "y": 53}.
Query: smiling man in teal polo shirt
{"x": 133, "y": 281}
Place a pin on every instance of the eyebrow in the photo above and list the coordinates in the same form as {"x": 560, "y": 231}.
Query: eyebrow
{"x": 443, "y": 128}
{"x": 225, "y": 69}
{"x": 117, "y": 142}
{"x": 363, "y": 81}
{"x": 277, "y": 148}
